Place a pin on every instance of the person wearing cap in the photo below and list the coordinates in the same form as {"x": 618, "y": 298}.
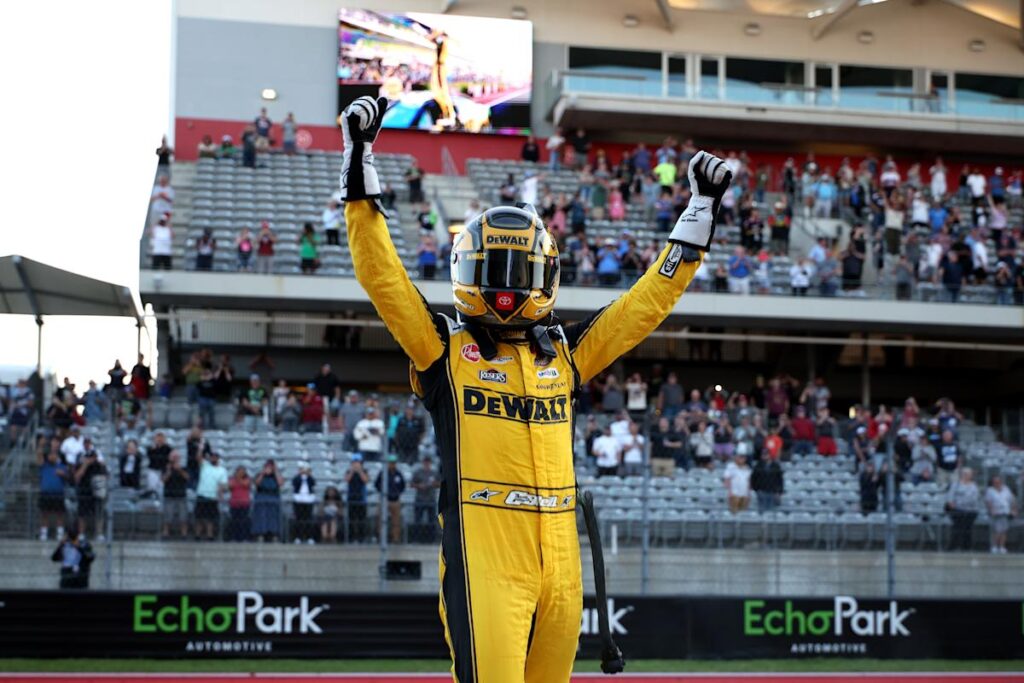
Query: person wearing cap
{"x": 395, "y": 487}
{"x": 90, "y": 482}
{"x": 303, "y": 500}
{"x": 369, "y": 435}
{"x": 426, "y": 481}
{"x": 213, "y": 483}
{"x": 356, "y": 479}
{"x": 252, "y": 402}
{"x": 312, "y": 410}
{"x": 72, "y": 446}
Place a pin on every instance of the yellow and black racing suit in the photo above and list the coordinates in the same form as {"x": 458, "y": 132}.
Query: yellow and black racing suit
{"x": 511, "y": 587}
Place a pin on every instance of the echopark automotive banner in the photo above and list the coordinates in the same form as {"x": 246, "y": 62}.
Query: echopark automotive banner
{"x": 328, "y": 625}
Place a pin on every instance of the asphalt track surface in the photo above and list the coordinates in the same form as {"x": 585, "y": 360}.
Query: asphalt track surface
{"x": 901, "y": 677}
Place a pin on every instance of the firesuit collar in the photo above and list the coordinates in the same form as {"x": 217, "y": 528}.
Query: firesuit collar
{"x": 487, "y": 340}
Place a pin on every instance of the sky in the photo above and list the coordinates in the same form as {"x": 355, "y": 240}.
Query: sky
{"x": 86, "y": 93}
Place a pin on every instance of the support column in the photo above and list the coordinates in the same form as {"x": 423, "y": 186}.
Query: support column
{"x": 39, "y": 346}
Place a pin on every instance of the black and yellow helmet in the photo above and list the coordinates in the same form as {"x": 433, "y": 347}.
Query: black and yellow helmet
{"x": 505, "y": 268}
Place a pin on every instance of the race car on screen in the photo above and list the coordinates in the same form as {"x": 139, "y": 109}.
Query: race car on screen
{"x": 499, "y": 382}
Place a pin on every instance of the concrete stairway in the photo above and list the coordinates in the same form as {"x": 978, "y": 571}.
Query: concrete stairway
{"x": 453, "y": 193}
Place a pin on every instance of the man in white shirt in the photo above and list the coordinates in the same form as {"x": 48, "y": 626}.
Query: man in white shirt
{"x": 606, "y": 450}
{"x": 737, "y": 483}
{"x": 800, "y": 274}
{"x": 620, "y": 427}
{"x": 369, "y": 435}
{"x": 528, "y": 190}
{"x": 554, "y": 148}
{"x": 331, "y": 221}
{"x": 976, "y": 183}
{"x": 633, "y": 452}
{"x": 73, "y": 446}
{"x": 161, "y": 201}
{"x": 161, "y": 240}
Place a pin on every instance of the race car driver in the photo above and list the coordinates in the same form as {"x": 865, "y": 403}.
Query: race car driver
{"x": 499, "y": 383}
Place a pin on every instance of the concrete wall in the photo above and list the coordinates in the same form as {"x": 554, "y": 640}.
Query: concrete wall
{"x": 140, "y": 565}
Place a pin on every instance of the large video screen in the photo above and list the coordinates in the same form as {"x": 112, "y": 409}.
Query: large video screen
{"x": 440, "y": 72}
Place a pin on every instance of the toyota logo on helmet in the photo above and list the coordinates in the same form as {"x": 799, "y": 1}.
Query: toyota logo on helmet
{"x": 504, "y": 268}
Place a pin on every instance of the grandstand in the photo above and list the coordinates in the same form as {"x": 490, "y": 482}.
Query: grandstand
{"x": 846, "y": 287}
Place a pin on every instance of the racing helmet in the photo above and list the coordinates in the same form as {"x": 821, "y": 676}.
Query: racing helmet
{"x": 504, "y": 267}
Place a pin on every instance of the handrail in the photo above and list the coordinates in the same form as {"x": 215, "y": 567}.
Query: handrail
{"x": 143, "y": 250}
{"x": 14, "y": 462}
{"x": 448, "y": 165}
{"x": 600, "y": 74}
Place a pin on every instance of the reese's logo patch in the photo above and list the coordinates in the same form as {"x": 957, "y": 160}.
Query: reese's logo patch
{"x": 493, "y": 376}
{"x": 504, "y": 406}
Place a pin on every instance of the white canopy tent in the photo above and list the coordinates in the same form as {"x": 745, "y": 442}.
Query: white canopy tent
{"x": 29, "y": 287}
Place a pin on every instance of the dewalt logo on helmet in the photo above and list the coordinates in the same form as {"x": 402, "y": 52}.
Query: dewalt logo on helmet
{"x": 506, "y": 241}
{"x": 502, "y": 238}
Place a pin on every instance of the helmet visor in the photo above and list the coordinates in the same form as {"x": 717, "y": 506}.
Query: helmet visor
{"x": 504, "y": 269}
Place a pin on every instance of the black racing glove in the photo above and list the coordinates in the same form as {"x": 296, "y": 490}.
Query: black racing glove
{"x": 360, "y": 123}
{"x": 709, "y": 181}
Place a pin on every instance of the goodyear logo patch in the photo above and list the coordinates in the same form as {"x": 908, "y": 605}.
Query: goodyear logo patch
{"x": 505, "y": 406}
{"x": 493, "y": 376}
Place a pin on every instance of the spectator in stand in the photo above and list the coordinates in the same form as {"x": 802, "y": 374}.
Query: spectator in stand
{"x": 53, "y": 476}
{"x": 425, "y": 481}
{"x": 923, "y": 459}
{"x": 976, "y": 187}
{"x": 636, "y": 395}
{"x": 1004, "y": 283}
{"x": 737, "y": 483}
{"x": 607, "y": 451}
{"x": 207, "y": 148}
{"x": 580, "y": 144}
{"x": 554, "y": 146}
{"x": 312, "y": 411}
{"x": 266, "y": 507}
{"x": 665, "y": 172}
{"x": 227, "y": 148}
{"x": 870, "y": 483}
{"x": 244, "y": 247}
{"x": 332, "y": 219}
{"x": 213, "y": 483}
{"x": 667, "y": 450}
{"x": 825, "y": 428}
{"x": 157, "y": 457}
{"x": 939, "y": 185}
{"x": 952, "y": 275}
{"x": 949, "y": 458}
{"x": 206, "y": 246}
{"x": 252, "y": 402}
{"x": 962, "y": 503}
{"x": 161, "y": 241}
{"x": 207, "y": 388}
{"x": 408, "y": 434}
{"x": 76, "y": 557}
{"x": 608, "y": 264}
{"x": 633, "y": 451}
{"x": 530, "y": 150}
{"x": 356, "y": 479}
{"x": 239, "y": 505}
{"x": 1002, "y": 507}
{"x": 291, "y": 414}
{"x": 161, "y": 200}
{"x": 779, "y": 223}
{"x": 740, "y": 270}
{"x": 265, "y": 241}
{"x": 752, "y": 231}
{"x": 309, "y": 250}
{"x": 414, "y": 178}
{"x": 804, "y": 432}
{"x": 996, "y": 186}
{"x": 289, "y": 133}
{"x": 395, "y": 485}
{"x": 262, "y": 125}
{"x": 326, "y": 381}
{"x": 197, "y": 449}
{"x": 800, "y": 274}
{"x": 174, "y": 485}
{"x": 369, "y": 435}
{"x": 670, "y": 396}
{"x": 90, "y": 475}
{"x": 427, "y": 257}
{"x": 250, "y": 145}
{"x": 130, "y": 465}
{"x": 330, "y": 514}
{"x": 825, "y": 196}
{"x": 767, "y": 483}
{"x": 303, "y": 501}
